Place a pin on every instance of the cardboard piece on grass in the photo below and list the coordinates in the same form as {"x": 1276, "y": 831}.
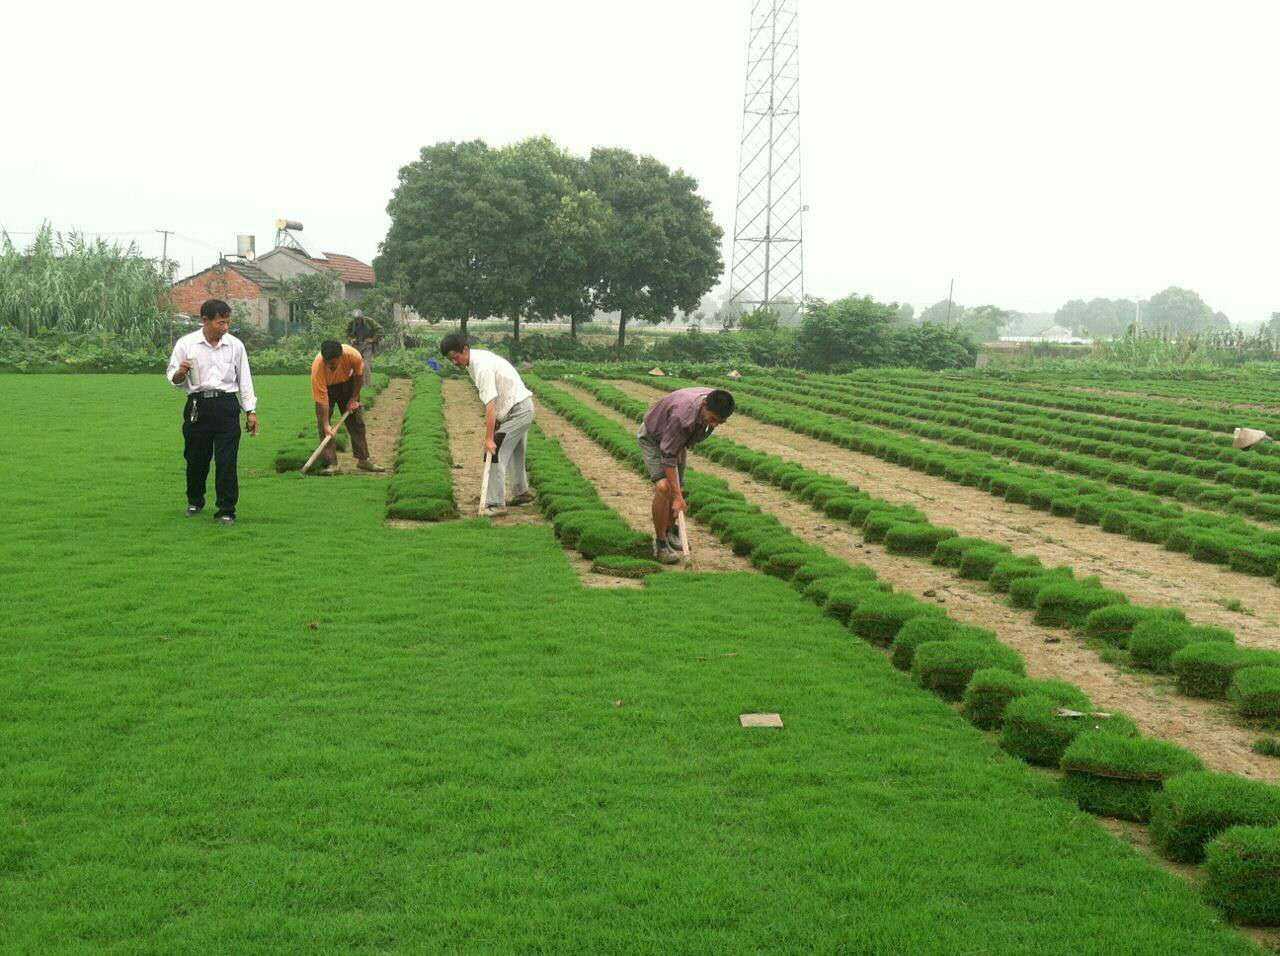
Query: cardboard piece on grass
{"x": 656, "y": 371}
{"x": 761, "y": 720}
{"x": 1244, "y": 438}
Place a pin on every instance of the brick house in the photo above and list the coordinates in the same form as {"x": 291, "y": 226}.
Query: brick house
{"x": 285, "y": 262}
{"x": 256, "y": 298}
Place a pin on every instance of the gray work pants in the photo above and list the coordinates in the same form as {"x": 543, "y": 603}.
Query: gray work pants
{"x": 510, "y": 461}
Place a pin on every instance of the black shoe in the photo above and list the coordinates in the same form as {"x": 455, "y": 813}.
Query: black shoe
{"x": 673, "y": 540}
{"x": 193, "y": 510}
{"x": 226, "y": 519}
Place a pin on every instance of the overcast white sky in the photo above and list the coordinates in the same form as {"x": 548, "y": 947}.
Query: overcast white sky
{"x": 1035, "y": 151}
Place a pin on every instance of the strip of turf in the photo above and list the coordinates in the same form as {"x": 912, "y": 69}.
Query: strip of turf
{"x": 467, "y": 749}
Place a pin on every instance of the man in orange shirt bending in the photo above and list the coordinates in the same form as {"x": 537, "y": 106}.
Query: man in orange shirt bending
{"x": 337, "y": 375}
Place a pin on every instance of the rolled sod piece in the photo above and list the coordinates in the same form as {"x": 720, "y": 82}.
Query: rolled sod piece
{"x": 1115, "y": 623}
{"x": 950, "y": 553}
{"x": 1116, "y": 776}
{"x": 1256, "y": 693}
{"x": 1262, "y": 560}
{"x": 781, "y": 543}
{"x": 879, "y": 618}
{"x": 877, "y": 524}
{"x": 845, "y": 598}
{"x": 840, "y": 508}
{"x": 785, "y": 564}
{"x": 931, "y": 627}
{"x": 990, "y": 691}
{"x": 1068, "y": 603}
{"x": 422, "y": 509}
{"x": 620, "y": 566}
{"x": 946, "y": 667}
{"x": 1039, "y": 729}
{"x": 820, "y": 589}
{"x": 915, "y": 539}
{"x": 819, "y": 567}
{"x": 1012, "y": 569}
{"x": 1154, "y": 642}
{"x": 1206, "y": 669}
{"x": 612, "y": 536}
{"x": 977, "y": 563}
{"x": 1242, "y": 875}
{"x": 1194, "y": 808}
{"x": 744, "y": 540}
{"x": 568, "y": 525}
{"x": 1024, "y": 591}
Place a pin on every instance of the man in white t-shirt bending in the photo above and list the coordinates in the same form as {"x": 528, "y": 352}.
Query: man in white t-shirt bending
{"x": 508, "y": 415}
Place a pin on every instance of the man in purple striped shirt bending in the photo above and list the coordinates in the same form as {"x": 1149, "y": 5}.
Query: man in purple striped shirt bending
{"x": 675, "y": 422}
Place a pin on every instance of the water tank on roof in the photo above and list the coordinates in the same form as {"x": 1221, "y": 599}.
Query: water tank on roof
{"x": 291, "y": 224}
{"x": 245, "y": 246}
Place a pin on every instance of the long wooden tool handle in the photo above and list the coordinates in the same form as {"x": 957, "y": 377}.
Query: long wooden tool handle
{"x": 684, "y": 533}
{"x": 484, "y": 480}
{"x": 327, "y": 438}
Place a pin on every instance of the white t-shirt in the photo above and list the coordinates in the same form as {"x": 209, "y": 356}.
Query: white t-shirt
{"x": 496, "y": 378}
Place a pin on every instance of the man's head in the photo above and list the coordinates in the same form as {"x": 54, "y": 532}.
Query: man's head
{"x": 454, "y": 347}
{"x": 215, "y": 316}
{"x": 331, "y": 351}
{"x": 717, "y": 408}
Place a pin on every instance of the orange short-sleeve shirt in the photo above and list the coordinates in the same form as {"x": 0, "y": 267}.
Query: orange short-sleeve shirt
{"x": 350, "y": 364}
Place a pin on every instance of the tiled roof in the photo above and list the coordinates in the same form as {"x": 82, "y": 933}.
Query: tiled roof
{"x": 254, "y": 274}
{"x": 353, "y": 271}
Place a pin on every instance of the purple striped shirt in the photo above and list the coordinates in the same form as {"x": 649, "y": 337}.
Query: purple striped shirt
{"x": 673, "y": 423}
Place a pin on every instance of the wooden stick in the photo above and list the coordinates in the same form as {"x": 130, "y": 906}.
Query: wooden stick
{"x": 684, "y": 534}
{"x": 484, "y": 480}
{"x": 327, "y": 438}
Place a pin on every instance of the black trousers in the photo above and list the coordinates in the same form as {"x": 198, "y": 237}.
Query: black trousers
{"x": 215, "y": 434}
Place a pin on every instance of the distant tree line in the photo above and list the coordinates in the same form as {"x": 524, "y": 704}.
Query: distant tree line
{"x": 1174, "y": 311}
{"x": 533, "y": 233}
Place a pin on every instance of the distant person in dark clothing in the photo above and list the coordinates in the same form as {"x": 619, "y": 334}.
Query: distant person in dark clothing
{"x": 675, "y": 423}
{"x": 364, "y": 334}
{"x": 212, "y": 366}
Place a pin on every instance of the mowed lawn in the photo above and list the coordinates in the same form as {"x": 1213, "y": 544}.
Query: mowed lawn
{"x": 313, "y": 732}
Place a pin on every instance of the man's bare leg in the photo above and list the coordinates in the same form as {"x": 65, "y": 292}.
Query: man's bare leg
{"x": 662, "y": 514}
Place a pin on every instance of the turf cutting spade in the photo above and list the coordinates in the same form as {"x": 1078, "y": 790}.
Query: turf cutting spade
{"x": 484, "y": 477}
{"x": 327, "y": 438}
{"x": 684, "y": 534}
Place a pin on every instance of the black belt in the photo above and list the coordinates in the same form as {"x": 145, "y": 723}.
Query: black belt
{"x": 212, "y": 394}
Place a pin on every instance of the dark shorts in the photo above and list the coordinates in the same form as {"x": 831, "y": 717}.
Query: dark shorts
{"x": 653, "y": 459}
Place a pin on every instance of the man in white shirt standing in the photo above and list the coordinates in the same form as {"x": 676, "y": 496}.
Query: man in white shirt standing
{"x": 508, "y": 415}
{"x": 213, "y": 367}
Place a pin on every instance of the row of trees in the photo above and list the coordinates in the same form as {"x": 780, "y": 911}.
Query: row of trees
{"x": 534, "y": 233}
{"x": 1174, "y": 311}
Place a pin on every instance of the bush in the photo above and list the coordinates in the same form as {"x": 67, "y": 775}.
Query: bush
{"x": 1206, "y": 669}
{"x": 879, "y": 618}
{"x": 1154, "y": 642}
{"x": 1194, "y": 808}
{"x": 945, "y": 667}
{"x": 1115, "y": 622}
{"x": 915, "y": 539}
{"x": 1035, "y": 730}
{"x": 1115, "y": 776}
{"x": 1241, "y": 868}
{"x": 990, "y": 691}
{"x": 1069, "y": 603}
{"x": 1256, "y": 693}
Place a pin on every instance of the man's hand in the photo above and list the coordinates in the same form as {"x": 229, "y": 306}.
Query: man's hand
{"x": 330, "y": 431}
{"x": 251, "y": 422}
{"x": 678, "y": 505}
{"x": 491, "y": 446}
{"x": 180, "y": 375}
{"x": 353, "y": 405}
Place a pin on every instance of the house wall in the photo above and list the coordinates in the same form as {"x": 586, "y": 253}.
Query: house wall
{"x": 247, "y": 300}
{"x": 282, "y": 265}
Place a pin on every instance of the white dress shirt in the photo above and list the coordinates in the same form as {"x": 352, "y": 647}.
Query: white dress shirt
{"x": 223, "y": 367}
{"x": 496, "y": 378}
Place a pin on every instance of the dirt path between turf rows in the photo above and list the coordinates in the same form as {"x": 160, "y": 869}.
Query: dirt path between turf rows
{"x": 631, "y": 495}
{"x": 382, "y": 430}
{"x": 464, "y": 421}
{"x": 1147, "y": 573}
{"x": 1204, "y": 727}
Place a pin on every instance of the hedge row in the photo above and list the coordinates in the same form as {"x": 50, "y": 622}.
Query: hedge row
{"x": 422, "y": 487}
{"x": 1109, "y": 768}
{"x": 295, "y": 452}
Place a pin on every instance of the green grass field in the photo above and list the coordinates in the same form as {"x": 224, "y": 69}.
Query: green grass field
{"x": 313, "y": 732}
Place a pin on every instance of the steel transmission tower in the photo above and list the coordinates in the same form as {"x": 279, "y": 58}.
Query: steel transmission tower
{"x": 768, "y": 232}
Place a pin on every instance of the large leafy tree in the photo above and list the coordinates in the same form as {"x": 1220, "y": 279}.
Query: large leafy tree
{"x": 1179, "y": 311}
{"x": 849, "y": 332}
{"x": 1100, "y": 318}
{"x": 661, "y": 248}
{"x": 448, "y": 247}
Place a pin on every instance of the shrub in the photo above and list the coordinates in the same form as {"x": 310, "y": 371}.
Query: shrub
{"x": 915, "y": 539}
{"x": 945, "y": 667}
{"x": 931, "y": 627}
{"x": 1036, "y": 731}
{"x": 879, "y": 618}
{"x": 1154, "y": 642}
{"x": 1206, "y": 669}
{"x": 1256, "y": 692}
{"x": 1068, "y": 603}
{"x": 1193, "y": 808}
{"x": 1115, "y": 622}
{"x": 1115, "y": 776}
{"x": 1241, "y": 868}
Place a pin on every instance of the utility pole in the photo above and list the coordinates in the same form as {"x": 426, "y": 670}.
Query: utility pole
{"x": 951, "y": 291}
{"x": 164, "y": 255}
